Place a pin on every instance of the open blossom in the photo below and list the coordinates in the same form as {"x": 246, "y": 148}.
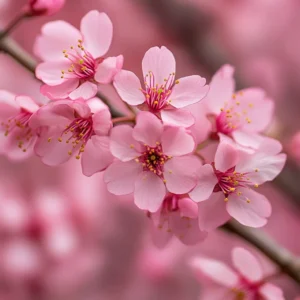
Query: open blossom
{"x": 177, "y": 216}
{"x": 161, "y": 93}
{"x": 45, "y": 7}
{"x": 74, "y": 60}
{"x": 242, "y": 115}
{"x": 153, "y": 159}
{"x": 18, "y": 137}
{"x": 74, "y": 128}
{"x": 245, "y": 282}
{"x": 224, "y": 185}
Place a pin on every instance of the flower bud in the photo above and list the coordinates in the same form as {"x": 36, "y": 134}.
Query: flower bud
{"x": 45, "y": 7}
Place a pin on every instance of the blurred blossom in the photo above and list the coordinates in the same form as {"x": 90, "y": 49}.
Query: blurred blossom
{"x": 45, "y": 7}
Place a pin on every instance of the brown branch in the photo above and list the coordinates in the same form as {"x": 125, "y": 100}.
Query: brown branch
{"x": 286, "y": 261}
{"x": 13, "y": 49}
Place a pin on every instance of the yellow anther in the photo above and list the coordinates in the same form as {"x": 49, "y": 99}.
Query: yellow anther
{"x": 228, "y": 111}
{"x": 239, "y": 193}
{"x": 256, "y": 185}
{"x": 248, "y": 120}
{"x": 226, "y": 199}
{"x": 147, "y": 96}
{"x": 165, "y": 181}
{"x": 153, "y": 157}
{"x": 49, "y": 140}
{"x": 221, "y": 109}
{"x": 81, "y": 61}
{"x": 155, "y": 102}
{"x": 233, "y": 96}
{"x": 24, "y": 150}
{"x": 137, "y": 160}
{"x": 238, "y": 103}
{"x": 77, "y": 157}
{"x": 72, "y": 47}
{"x": 248, "y": 201}
{"x": 79, "y": 41}
{"x": 250, "y": 105}
{"x": 64, "y": 51}
{"x": 66, "y": 55}
{"x": 131, "y": 146}
{"x": 70, "y": 152}
{"x": 177, "y": 82}
{"x": 256, "y": 170}
{"x": 59, "y": 139}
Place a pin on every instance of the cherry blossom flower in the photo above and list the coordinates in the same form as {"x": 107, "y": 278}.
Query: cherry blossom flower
{"x": 153, "y": 159}
{"x": 246, "y": 281}
{"x": 225, "y": 185}
{"x": 74, "y": 60}
{"x": 241, "y": 115}
{"x": 74, "y": 127}
{"x": 18, "y": 137}
{"x": 177, "y": 216}
{"x": 162, "y": 94}
{"x": 45, "y": 7}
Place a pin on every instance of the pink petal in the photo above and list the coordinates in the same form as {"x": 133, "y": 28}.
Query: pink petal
{"x": 216, "y": 271}
{"x": 176, "y": 141}
{"x": 206, "y": 183}
{"x": 107, "y": 70}
{"x": 60, "y": 91}
{"x": 148, "y": 129}
{"x": 8, "y": 105}
{"x": 254, "y": 213}
{"x": 55, "y": 37}
{"x": 96, "y": 156}
{"x": 226, "y": 157}
{"x": 270, "y": 291}
{"x": 27, "y": 103}
{"x": 121, "y": 176}
{"x": 96, "y": 105}
{"x": 97, "y": 31}
{"x": 86, "y": 90}
{"x": 149, "y": 191}
{"x": 202, "y": 127}
{"x": 259, "y": 109}
{"x": 261, "y": 167}
{"x": 246, "y": 139}
{"x": 102, "y": 122}
{"x": 221, "y": 89}
{"x": 52, "y": 153}
{"x": 188, "y": 208}
{"x": 180, "y": 174}
{"x": 247, "y": 264}
{"x": 128, "y": 87}
{"x": 81, "y": 108}
{"x": 188, "y": 91}
{"x": 212, "y": 213}
{"x": 177, "y": 117}
{"x": 161, "y": 62}
{"x": 50, "y": 72}
{"x": 269, "y": 146}
{"x": 122, "y": 144}
{"x": 186, "y": 229}
{"x": 58, "y": 113}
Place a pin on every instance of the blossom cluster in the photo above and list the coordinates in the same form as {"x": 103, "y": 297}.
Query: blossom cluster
{"x": 190, "y": 154}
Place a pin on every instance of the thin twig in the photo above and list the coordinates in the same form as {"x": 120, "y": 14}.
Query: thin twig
{"x": 14, "y": 23}
{"x": 13, "y": 49}
{"x": 286, "y": 261}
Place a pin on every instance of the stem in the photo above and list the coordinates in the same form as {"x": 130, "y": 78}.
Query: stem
{"x": 13, "y": 24}
{"x": 286, "y": 261}
{"x": 123, "y": 120}
{"x": 13, "y": 49}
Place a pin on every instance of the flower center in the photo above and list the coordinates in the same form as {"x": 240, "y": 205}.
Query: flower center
{"x": 230, "y": 181}
{"x": 157, "y": 97}
{"x": 153, "y": 159}
{"x": 233, "y": 115}
{"x": 82, "y": 63}
{"x": 78, "y": 133}
{"x": 18, "y": 128}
